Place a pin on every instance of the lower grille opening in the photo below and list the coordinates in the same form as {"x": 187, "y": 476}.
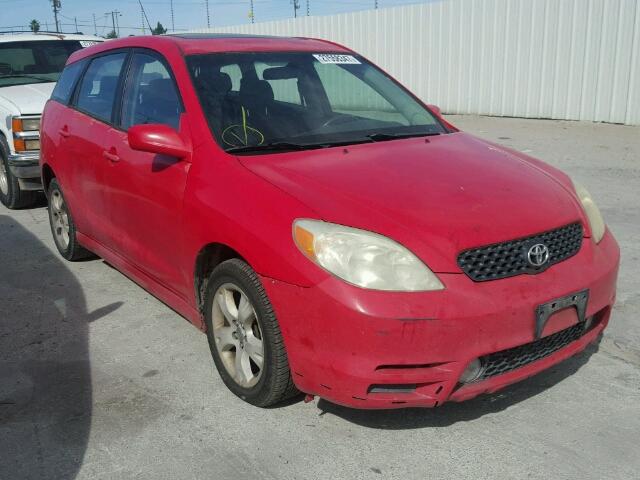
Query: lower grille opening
{"x": 508, "y": 360}
{"x": 394, "y": 368}
{"x": 407, "y": 388}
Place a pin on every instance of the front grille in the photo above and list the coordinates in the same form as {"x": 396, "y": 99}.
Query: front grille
{"x": 507, "y": 259}
{"x": 507, "y": 360}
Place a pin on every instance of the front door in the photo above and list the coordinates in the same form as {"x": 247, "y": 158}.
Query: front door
{"x": 145, "y": 189}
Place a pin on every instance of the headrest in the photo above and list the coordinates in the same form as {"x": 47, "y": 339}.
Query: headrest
{"x": 163, "y": 88}
{"x": 253, "y": 87}
{"x": 108, "y": 84}
{"x": 220, "y": 82}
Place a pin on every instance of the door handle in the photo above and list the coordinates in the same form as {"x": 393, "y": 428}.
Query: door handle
{"x": 64, "y": 132}
{"x": 112, "y": 157}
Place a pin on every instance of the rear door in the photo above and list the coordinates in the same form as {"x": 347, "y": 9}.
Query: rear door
{"x": 87, "y": 126}
{"x": 146, "y": 189}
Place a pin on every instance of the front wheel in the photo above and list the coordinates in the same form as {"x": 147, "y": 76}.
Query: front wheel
{"x": 11, "y": 195}
{"x": 244, "y": 336}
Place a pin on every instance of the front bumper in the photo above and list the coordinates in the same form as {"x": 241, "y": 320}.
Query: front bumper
{"x": 26, "y": 168}
{"x": 370, "y": 349}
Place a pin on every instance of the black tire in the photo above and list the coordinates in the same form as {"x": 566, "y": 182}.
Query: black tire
{"x": 72, "y": 251}
{"x": 14, "y": 198}
{"x": 275, "y": 383}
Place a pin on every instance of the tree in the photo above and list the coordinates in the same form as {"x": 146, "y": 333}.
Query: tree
{"x": 112, "y": 34}
{"x": 159, "y": 30}
{"x": 34, "y": 26}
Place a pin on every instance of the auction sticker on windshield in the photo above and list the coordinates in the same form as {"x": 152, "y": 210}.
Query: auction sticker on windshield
{"x": 87, "y": 43}
{"x": 336, "y": 58}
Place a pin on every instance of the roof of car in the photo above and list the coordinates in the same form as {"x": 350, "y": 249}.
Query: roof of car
{"x": 198, "y": 43}
{"x": 43, "y": 36}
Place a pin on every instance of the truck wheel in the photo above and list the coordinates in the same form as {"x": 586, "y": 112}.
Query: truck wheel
{"x": 62, "y": 226}
{"x": 10, "y": 194}
{"x": 244, "y": 336}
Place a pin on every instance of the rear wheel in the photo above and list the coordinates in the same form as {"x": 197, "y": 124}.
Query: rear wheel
{"x": 11, "y": 196}
{"x": 244, "y": 336}
{"x": 62, "y": 226}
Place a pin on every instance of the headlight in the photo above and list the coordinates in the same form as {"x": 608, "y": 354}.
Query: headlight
{"x": 591, "y": 210}
{"x": 363, "y": 258}
{"x": 26, "y": 124}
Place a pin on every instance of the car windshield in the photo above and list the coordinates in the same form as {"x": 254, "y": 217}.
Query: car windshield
{"x": 270, "y": 101}
{"x": 34, "y": 62}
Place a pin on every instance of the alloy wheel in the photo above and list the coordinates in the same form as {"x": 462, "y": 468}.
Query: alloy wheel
{"x": 238, "y": 336}
{"x": 60, "y": 219}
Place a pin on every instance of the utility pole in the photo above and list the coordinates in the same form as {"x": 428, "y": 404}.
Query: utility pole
{"x": 95, "y": 27}
{"x": 307, "y": 8}
{"x": 56, "y": 8}
{"x": 142, "y": 18}
{"x": 114, "y": 21}
{"x": 173, "y": 24}
{"x": 252, "y": 13}
{"x": 75, "y": 20}
{"x": 296, "y": 6}
{"x": 375, "y": 4}
{"x": 206, "y": 2}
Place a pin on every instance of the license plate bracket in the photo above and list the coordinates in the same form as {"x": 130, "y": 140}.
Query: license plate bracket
{"x": 576, "y": 300}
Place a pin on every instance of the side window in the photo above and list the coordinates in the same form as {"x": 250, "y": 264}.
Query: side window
{"x": 150, "y": 95}
{"x": 98, "y": 88}
{"x": 67, "y": 81}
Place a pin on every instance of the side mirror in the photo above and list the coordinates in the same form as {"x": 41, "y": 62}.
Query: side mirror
{"x": 435, "y": 109}
{"x": 157, "y": 138}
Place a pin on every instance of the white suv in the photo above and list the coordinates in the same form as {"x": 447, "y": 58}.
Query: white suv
{"x": 30, "y": 64}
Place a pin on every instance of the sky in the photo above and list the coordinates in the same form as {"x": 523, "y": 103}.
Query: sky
{"x": 188, "y": 14}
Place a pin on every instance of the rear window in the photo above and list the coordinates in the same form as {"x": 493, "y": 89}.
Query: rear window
{"x": 68, "y": 79}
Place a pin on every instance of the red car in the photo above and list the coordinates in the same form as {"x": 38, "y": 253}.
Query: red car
{"x": 328, "y": 231}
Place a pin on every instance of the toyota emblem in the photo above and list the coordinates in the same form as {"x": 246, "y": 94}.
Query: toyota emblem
{"x": 538, "y": 255}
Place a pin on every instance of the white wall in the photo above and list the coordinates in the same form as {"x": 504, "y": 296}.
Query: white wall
{"x": 563, "y": 59}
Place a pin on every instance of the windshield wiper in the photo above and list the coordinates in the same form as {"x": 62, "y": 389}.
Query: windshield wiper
{"x": 276, "y": 146}
{"x": 381, "y": 137}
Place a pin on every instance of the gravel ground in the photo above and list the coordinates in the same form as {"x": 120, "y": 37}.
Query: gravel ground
{"x": 99, "y": 380}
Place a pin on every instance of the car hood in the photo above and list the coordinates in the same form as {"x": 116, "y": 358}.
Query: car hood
{"x": 437, "y": 196}
{"x": 28, "y": 99}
